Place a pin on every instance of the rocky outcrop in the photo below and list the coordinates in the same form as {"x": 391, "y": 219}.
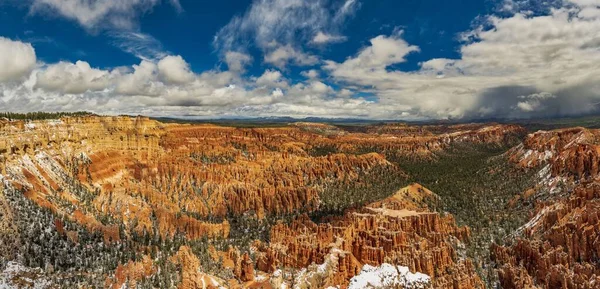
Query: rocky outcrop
{"x": 558, "y": 247}
{"x": 572, "y": 153}
{"x": 131, "y": 273}
{"x": 191, "y": 274}
{"x": 422, "y": 241}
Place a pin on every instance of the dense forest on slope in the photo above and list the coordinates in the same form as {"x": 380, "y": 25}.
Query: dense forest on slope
{"x": 42, "y": 115}
{"x": 476, "y": 184}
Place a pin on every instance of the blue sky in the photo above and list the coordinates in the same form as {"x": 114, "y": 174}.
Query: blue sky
{"x": 384, "y": 59}
{"x": 432, "y": 25}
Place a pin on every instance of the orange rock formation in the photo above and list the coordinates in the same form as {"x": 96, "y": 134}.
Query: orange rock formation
{"x": 559, "y": 246}
{"x": 383, "y": 232}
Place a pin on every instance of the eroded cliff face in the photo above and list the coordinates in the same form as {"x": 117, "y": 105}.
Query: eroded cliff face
{"x": 398, "y": 230}
{"x": 125, "y": 177}
{"x": 141, "y": 171}
{"x": 559, "y": 246}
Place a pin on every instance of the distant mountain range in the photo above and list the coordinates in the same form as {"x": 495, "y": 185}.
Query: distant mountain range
{"x": 589, "y": 121}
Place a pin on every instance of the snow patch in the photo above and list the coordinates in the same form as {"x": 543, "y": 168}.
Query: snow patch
{"x": 547, "y": 155}
{"x": 533, "y": 223}
{"x": 389, "y": 276}
{"x": 544, "y": 173}
{"x": 314, "y": 274}
{"x": 17, "y": 272}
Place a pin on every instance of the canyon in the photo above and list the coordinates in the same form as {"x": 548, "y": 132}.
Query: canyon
{"x": 133, "y": 202}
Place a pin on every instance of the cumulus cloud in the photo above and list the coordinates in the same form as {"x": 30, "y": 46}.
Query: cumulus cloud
{"x": 94, "y": 15}
{"x": 555, "y": 54}
{"x": 283, "y": 55}
{"x": 73, "y": 78}
{"x": 437, "y": 65}
{"x": 173, "y": 69}
{"x": 312, "y": 73}
{"x": 383, "y": 52}
{"x": 271, "y": 78}
{"x": 533, "y": 102}
{"x": 17, "y": 59}
{"x": 142, "y": 81}
{"x": 237, "y": 61}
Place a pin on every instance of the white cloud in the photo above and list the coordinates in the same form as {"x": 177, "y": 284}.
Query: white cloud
{"x": 320, "y": 87}
{"x": 520, "y": 55}
{"x": 277, "y": 92}
{"x": 237, "y": 61}
{"x": 95, "y": 15}
{"x": 143, "y": 81}
{"x": 348, "y": 8}
{"x": 71, "y": 78}
{"x": 283, "y": 55}
{"x": 586, "y": 3}
{"x": 344, "y": 92}
{"x": 119, "y": 18}
{"x": 17, "y": 59}
{"x": 383, "y": 52}
{"x": 312, "y": 73}
{"x": 273, "y": 24}
{"x": 173, "y": 69}
{"x": 437, "y": 64}
{"x": 271, "y": 78}
{"x": 534, "y": 101}
{"x": 324, "y": 38}
{"x": 141, "y": 45}
{"x": 176, "y": 5}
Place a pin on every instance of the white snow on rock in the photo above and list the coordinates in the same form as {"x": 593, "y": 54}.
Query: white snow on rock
{"x": 315, "y": 274}
{"x": 389, "y": 276}
{"x": 15, "y": 272}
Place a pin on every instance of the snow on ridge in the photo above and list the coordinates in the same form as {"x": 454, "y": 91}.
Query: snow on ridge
{"x": 15, "y": 272}
{"x": 534, "y": 222}
{"x": 386, "y": 276}
{"x": 30, "y": 125}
